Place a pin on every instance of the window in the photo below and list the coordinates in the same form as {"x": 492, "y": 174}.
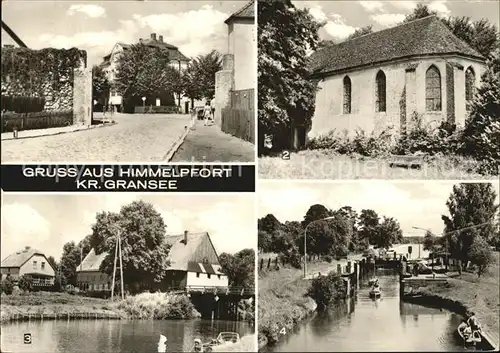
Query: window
{"x": 34, "y": 264}
{"x": 43, "y": 265}
{"x": 380, "y": 80}
{"x": 208, "y": 275}
{"x": 347, "y": 95}
{"x": 197, "y": 275}
{"x": 470, "y": 87}
{"x": 432, "y": 89}
{"x": 218, "y": 276}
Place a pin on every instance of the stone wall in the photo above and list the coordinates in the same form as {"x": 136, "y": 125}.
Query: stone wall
{"x": 224, "y": 83}
{"x": 52, "y": 78}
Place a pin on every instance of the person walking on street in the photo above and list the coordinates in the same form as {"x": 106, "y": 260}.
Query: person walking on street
{"x": 207, "y": 113}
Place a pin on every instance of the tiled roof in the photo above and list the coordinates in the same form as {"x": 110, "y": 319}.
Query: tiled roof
{"x": 246, "y": 12}
{"x": 426, "y": 36}
{"x": 173, "y": 51}
{"x": 179, "y": 255}
{"x": 20, "y": 257}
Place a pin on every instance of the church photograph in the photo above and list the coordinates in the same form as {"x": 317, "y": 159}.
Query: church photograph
{"x": 406, "y": 86}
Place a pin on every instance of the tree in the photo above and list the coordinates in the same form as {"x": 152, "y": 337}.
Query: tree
{"x": 70, "y": 260}
{"x": 144, "y": 250}
{"x": 480, "y": 35}
{"x": 361, "y": 32}
{"x": 240, "y": 268}
{"x": 203, "y": 70}
{"x": 327, "y": 290}
{"x": 420, "y": 11}
{"x": 314, "y": 213}
{"x": 100, "y": 85}
{"x": 7, "y": 286}
{"x": 387, "y": 233}
{"x": 286, "y": 95}
{"x": 190, "y": 87}
{"x": 480, "y": 255}
{"x": 469, "y": 204}
{"x": 351, "y": 215}
{"x": 143, "y": 71}
{"x": 481, "y": 135}
{"x": 264, "y": 241}
{"x": 25, "y": 283}
{"x": 368, "y": 223}
{"x": 269, "y": 223}
{"x": 52, "y": 262}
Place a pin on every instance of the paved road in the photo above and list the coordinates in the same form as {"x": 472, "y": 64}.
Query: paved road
{"x": 210, "y": 144}
{"x": 135, "y": 138}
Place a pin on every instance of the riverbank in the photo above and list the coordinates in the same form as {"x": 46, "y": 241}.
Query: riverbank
{"x": 46, "y": 305}
{"x": 283, "y": 302}
{"x": 245, "y": 344}
{"x": 467, "y": 292}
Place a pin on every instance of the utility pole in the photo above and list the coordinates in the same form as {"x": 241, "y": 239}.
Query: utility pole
{"x": 118, "y": 254}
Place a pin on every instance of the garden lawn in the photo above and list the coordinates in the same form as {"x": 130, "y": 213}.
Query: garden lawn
{"x": 324, "y": 164}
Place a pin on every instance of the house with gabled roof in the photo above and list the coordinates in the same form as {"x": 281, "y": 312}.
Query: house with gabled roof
{"x": 194, "y": 262}
{"x": 176, "y": 59}
{"x": 31, "y": 263}
{"x": 387, "y": 78}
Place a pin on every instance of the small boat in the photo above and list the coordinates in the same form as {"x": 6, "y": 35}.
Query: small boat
{"x": 373, "y": 281}
{"x": 375, "y": 292}
{"x": 222, "y": 338}
{"x": 226, "y": 337}
{"x": 162, "y": 344}
{"x": 467, "y": 335}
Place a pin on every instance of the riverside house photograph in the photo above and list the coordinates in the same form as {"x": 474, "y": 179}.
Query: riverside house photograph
{"x": 379, "y": 90}
{"x": 160, "y": 273}
{"x": 349, "y": 269}
{"x": 128, "y": 82}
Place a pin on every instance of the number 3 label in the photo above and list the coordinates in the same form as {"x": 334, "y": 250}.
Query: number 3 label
{"x": 283, "y": 331}
{"x": 27, "y": 338}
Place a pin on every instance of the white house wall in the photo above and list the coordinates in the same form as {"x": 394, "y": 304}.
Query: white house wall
{"x": 242, "y": 46}
{"x": 28, "y": 267}
{"x": 204, "y": 281}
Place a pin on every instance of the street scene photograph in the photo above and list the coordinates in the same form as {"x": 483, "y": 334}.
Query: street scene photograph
{"x": 378, "y": 267}
{"x": 128, "y": 81}
{"x": 378, "y": 89}
{"x": 128, "y": 273}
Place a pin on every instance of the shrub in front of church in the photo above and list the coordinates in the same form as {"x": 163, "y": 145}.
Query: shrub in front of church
{"x": 158, "y": 306}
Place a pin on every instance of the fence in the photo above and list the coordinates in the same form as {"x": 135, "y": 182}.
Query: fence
{"x": 152, "y": 109}
{"x": 273, "y": 263}
{"x": 38, "y": 120}
{"x": 239, "y": 119}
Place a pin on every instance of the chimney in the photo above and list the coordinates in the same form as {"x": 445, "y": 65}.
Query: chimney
{"x": 160, "y": 39}
{"x": 27, "y": 247}
{"x": 153, "y": 36}
{"x": 185, "y": 237}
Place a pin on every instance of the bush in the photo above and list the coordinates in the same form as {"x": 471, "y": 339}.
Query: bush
{"x": 7, "y": 286}
{"x": 328, "y": 258}
{"x": 25, "y": 284}
{"x": 246, "y": 310}
{"x": 326, "y": 290}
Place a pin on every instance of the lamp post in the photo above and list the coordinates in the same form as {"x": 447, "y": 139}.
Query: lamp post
{"x": 305, "y": 242}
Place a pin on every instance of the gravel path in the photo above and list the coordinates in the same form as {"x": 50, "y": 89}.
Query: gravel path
{"x": 135, "y": 138}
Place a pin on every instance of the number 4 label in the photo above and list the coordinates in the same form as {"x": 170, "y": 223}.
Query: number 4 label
{"x": 283, "y": 331}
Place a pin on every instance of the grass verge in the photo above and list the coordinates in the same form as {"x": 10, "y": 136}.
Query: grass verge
{"x": 481, "y": 295}
{"x": 159, "y": 306}
{"x": 324, "y": 164}
{"x": 283, "y": 302}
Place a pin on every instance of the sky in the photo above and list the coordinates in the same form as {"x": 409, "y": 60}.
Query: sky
{"x": 47, "y": 221}
{"x": 344, "y": 17}
{"x": 415, "y": 204}
{"x": 195, "y": 27}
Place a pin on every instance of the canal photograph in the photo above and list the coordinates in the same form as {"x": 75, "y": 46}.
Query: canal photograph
{"x": 128, "y": 273}
{"x": 380, "y": 266}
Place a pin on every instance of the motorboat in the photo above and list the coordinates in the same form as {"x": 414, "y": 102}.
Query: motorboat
{"x": 468, "y": 336}
{"x": 375, "y": 292}
{"x": 222, "y": 338}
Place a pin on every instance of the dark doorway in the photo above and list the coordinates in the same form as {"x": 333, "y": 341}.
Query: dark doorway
{"x": 186, "y": 107}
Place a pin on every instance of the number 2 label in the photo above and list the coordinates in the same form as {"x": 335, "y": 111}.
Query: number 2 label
{"x": 283, "y": 331}
{"x": 285, "y": 155}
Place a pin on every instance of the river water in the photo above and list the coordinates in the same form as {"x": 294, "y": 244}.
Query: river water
{"x": 91, "y": 336}
{"x": 383, "y": 325}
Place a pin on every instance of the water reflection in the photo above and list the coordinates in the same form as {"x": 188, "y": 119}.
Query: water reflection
{"x": 382, "y": 324}
{"x": 112, "y": 336}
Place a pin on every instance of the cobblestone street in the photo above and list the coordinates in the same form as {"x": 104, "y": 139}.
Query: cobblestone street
{"x": 135, "y": 138}
{"x": 210, "y": 144}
